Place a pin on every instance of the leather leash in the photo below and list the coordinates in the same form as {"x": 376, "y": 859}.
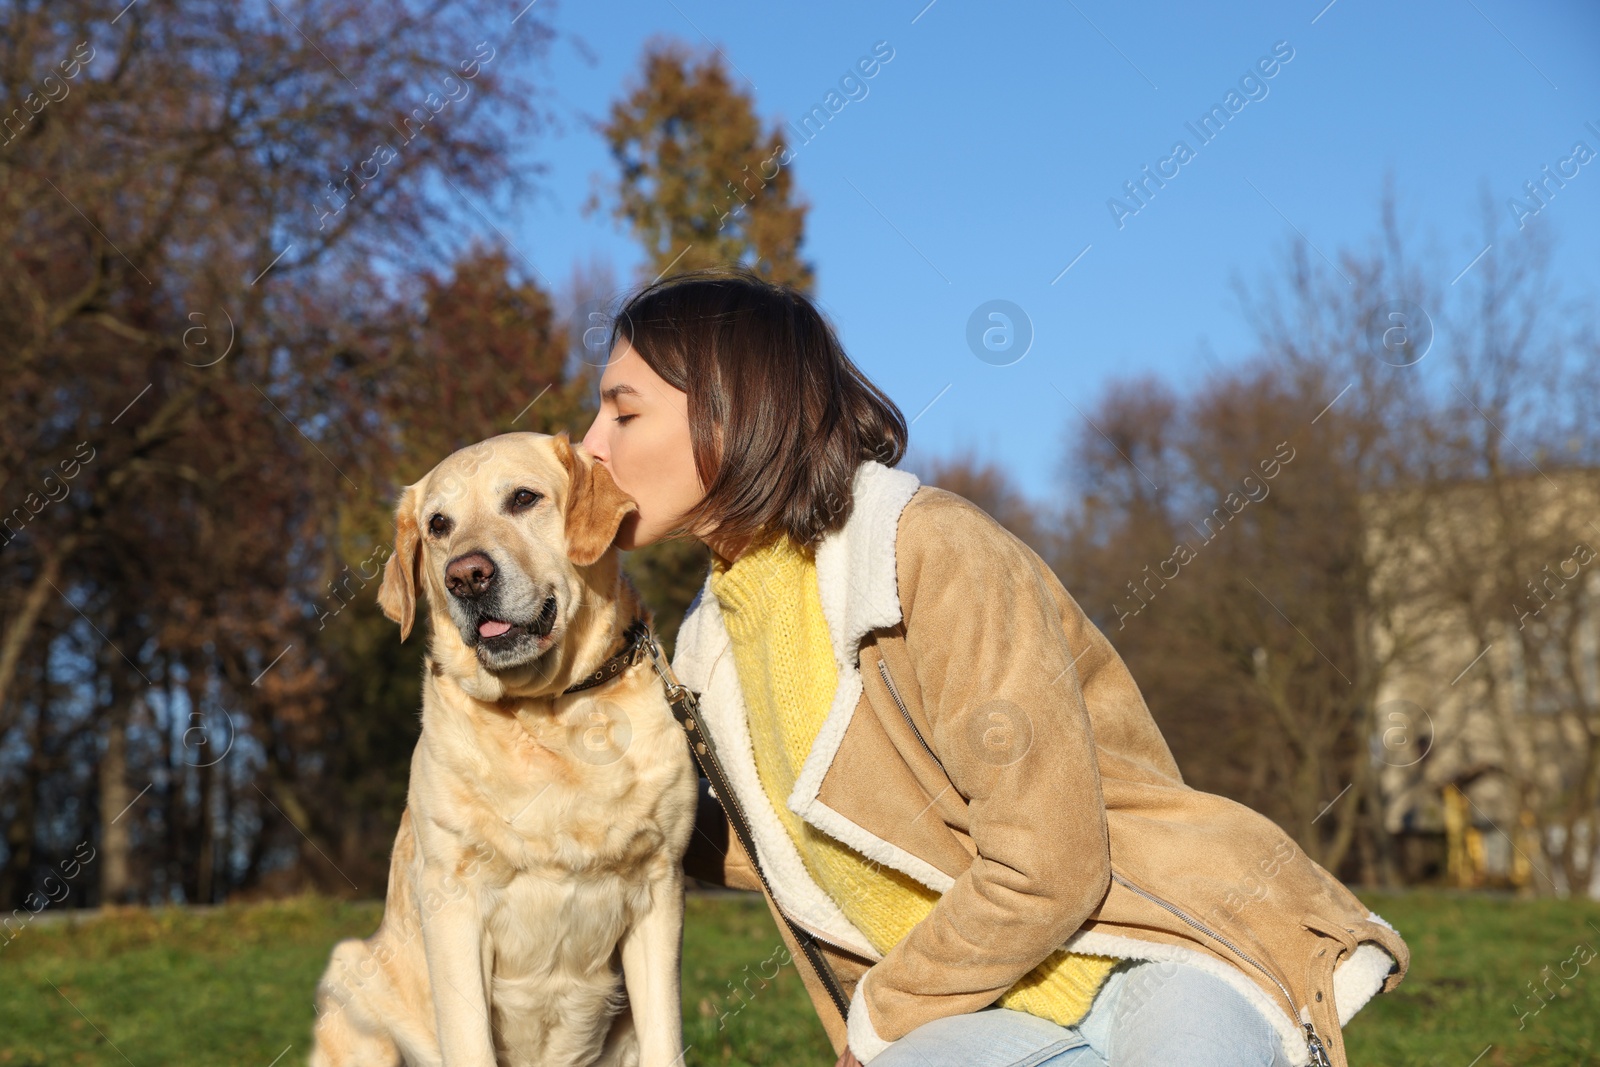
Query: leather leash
{"x": 686, "y": 709}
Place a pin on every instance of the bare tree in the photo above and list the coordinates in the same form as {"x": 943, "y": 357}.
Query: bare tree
{"x": 1505, "y": 579}
{"x": 208, "y": 205}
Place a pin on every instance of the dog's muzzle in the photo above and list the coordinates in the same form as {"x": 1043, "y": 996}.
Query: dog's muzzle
{"x": 500, "y": 616}
{"x": 499, "y": 635}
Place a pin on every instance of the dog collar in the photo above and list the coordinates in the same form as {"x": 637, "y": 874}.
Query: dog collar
{"x": 633, "y": 648}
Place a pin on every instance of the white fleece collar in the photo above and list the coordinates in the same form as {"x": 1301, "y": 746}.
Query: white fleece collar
{"x": 859, "y": 591}
{"x": 855, "y": 576}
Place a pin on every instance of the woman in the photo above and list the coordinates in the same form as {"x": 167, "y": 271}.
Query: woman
{"x": 950, "y": 777}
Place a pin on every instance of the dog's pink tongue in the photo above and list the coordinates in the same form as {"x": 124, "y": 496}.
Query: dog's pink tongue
{"x": 493, "y": 628}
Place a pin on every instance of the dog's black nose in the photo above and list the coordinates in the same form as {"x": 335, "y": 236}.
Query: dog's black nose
{"x": 470, "y": 576}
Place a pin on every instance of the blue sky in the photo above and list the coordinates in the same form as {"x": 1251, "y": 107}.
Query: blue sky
{"x": 981, "y": 160}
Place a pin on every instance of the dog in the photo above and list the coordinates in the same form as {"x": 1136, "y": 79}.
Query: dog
{"x": 535, "y": 904}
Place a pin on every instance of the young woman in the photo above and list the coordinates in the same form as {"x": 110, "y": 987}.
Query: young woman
{"x": 950, "y": 777}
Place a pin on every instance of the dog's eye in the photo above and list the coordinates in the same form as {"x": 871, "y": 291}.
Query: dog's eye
{"x": 523, "y": 499}
{"x": 438, "y": 526}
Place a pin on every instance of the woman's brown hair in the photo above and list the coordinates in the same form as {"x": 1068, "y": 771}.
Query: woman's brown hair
{"x": 779, "y": 417}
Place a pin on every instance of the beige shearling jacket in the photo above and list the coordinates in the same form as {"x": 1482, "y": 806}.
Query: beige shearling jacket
{"x": 987, "y": 740}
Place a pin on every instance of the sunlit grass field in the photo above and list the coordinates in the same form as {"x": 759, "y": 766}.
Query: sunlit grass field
{"x": 234, "y": 986}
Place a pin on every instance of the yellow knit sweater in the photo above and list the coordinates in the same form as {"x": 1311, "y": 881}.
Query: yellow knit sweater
{"x": 784, "y": 657}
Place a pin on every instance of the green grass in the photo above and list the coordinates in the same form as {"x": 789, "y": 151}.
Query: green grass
{"x": 1472, "y": 962}
{"x": 234, "y": 986}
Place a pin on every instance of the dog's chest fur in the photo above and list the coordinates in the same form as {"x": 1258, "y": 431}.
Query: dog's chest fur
{"x": 563, "y": 819}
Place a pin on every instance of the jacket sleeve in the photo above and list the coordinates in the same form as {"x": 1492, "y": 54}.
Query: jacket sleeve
{"x": 1000, "y": 692}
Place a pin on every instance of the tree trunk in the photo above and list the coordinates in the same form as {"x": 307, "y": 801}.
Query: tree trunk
{"x": 27, "y": 617}
{"x": 15, "y": 881}
{"x": 205, "y": 881}
{"x": 115, "y": 821}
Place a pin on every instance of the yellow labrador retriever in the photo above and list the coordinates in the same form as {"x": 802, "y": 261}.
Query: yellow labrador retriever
{"x": 535, "y": 902}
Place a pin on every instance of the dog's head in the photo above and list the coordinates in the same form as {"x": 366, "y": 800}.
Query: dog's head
{"x": 497, "y": 536}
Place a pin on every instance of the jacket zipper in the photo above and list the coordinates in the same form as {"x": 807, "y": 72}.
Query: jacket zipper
{"x": 846, "y": 949}
{"x": 883, "y": 669}
{"x": 1319, "y": 1053}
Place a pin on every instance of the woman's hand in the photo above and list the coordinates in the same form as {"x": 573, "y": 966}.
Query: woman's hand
{"x": 848, "y": 1059}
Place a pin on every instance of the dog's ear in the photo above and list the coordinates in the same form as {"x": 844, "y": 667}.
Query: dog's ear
{"x": 398, "y": 593}
{"x": 595, "y": 506}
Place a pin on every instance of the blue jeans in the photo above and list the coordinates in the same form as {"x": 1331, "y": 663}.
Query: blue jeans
{"x": 1147, "y": 1014}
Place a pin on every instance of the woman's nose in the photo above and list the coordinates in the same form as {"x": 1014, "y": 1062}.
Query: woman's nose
{"x": 594, "y": 444}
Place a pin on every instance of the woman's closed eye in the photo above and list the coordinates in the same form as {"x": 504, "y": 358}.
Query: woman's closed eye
{"x": 625, "y": 418}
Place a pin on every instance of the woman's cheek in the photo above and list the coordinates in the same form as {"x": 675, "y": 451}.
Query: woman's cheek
{"x": 626, "y": 465}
